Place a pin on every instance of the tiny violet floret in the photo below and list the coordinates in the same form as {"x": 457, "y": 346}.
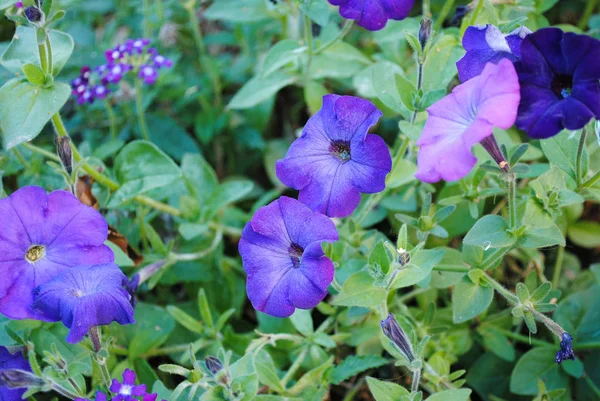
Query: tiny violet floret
{"x": 335, "y": 159}
{"x": 43, "y": 235}
{"x": 464, "y": 118}
{"x": 373, "y": 14}
{"x": 283, "y": 257}
{"x": 394, "y": 332}
{"x": 9, "y": 361}
{"x": 560, "y": 82}
{"x": 100, "y": 396}
{"x": 566, "y": 349}
{"x": 486, "y": 44}
{"x": 127, "y": 390}
{"x": 85, "y": 297}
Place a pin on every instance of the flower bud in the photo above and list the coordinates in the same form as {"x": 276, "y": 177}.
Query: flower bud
{"x": 17, "y": 378}
{"x": 394, "y": 332}
{"x": 33, "y": 14}
{"x": 491, "y": 146}
{"x": 213, "y": 364}
{"x": 566, "y": 349}
{"x": 424, "y": 32}
{"x": 63, "y": 148}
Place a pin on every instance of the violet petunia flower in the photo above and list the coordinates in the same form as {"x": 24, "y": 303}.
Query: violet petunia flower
{"x": 42, "y": 235}
{"x": 283, "y": 259}
{"x": 127, "y": 390}
{"x": 560, "y": 82}
{"x": 85, "y": 297}
{"x": 486, "y": 44}
{"x": 464, "y": 118}
{"x": 12, "y": 361}
{"x": 335, "y": 159}
{"x": 373, "y": 14}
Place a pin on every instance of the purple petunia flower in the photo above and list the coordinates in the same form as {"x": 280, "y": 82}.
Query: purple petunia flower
{"x": 335, "y": 159}
{"x": 44, "y": 234}
{"x": 373, "y": 14}
{"x": 487, "y": 44}
{"x": 282, "y": 256}
{"x": 127, "y": 390}
{"x": 84, "y": 298}
{"x": 560, "y": 82}
{"x": 464, "y": 118}
{"x": 148, "y": 73}
{"x": 12, "y": 361}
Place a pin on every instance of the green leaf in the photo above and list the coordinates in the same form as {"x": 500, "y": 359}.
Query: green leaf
{"x": 561, "y": 151}
{"x": 259, "y": 89}
{"x": 152, "y": 328}
{"x": 359, "y": 290}
{"x": 445, "y": 279}
{"x": 237, "y": 11}
{"x": 573, "y": 368}
{"x": 418, "y": 269}
{"x": 402, "y": 173}
{"x": 446, "y": 50}
{"x": 34, "y": 74}
{"x": 354, "y": 364}
{"x": 540, "y": 237}
{"x": 313, "y": 96}
{"x": 316, "y": 10}
{"x": 302, "y": 321}
{"x": 379, "y": 256}
{"x": 490, "y": 232}
{"x": 469, "y": 300}
{"x": 200, "y": 178}
{"x": 522, "y": 292}
{"x": 121, "y": 258}
{"x": 26, "y": 109}
{"x": 21, "y": 50}
{"x": 384, "y": 390}
{"x": 283, "y": 52}
{"x": 498, "y": 343}
{"x": 537, "y": 364}
{"x": 451, "y": 395}
{"x": 585, "y": 234}
{"x": 140, "y": 167}
{"x": 185, "y": 320}
{"x": 406, "y": 90}
{"x": 228, "y": 193}
{"x": 177, "y": 143}
{"x": 541, "y": 292}
{"x": 383, "y": 78}
{"x": 267, "y": 373}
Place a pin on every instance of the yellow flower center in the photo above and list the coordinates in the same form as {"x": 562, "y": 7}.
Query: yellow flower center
{"x": 35, "y": 253}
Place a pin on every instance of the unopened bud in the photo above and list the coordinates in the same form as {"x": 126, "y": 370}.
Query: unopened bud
{"x": 63, "y": 148}
{"x": 403, "y": 257}
{"x": 460, "y": 13}
{"x": 424, "y": 32}
{"x": 394, "y": 332}
{"x": 33, "y": 14}
{"x": 17, "y": 378}
{"x": 213, "y": 364}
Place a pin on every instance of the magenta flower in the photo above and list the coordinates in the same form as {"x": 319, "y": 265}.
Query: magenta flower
{"x": 44, "y": 234}
{"x": 560, "y": 82}
{"x": 12, "y": 361}
{"x": 282, "y": 256}
{"x": 486, "y": 44}
{"x": 464, "y": 118}
{"x": 85, "y": 297}
{"x": 335, "y": 159}
{"x": 127, "y": 391}
{"x": 373, "y": 14}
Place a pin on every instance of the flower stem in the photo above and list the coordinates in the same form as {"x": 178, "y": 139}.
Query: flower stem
{"x": 415, "y": 380}
{"x": 494, "y": 258}
{"x": 295, "y": 366}
{"x": 522, "y": 338}
{"x": 579, "y": 160}
{"x": 43, "y": 57}
{"x": 454, "y": 269}
{"x": 147, "y": 27}
{"x": 100, "y": 360}
{"x": 308, "y": 37}
{"x": 419, "y": 85}
{"x": 560, "y": 255}
{"x": 595, "y": 178}
{"x": 111, "y": 119}
{"x": 512, "y": 201}
{"x": 443, "y": 14}
{"x": 510, "y": 297}
{"x": 186, "y": 257}
{"x": 139, "y": 106}
{"x": 343, "y": 32}
{"x": 21, "y": 159}
{"x": 49, "y": 53}
{"x": 63, "y": 391}
{"x": 587, "y": 13}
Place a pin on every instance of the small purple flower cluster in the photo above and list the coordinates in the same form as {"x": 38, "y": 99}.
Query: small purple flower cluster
{"x": 133, "y": 55}
{"x": 55, "y": 266}
{"x": 543, "y": 82}
{"x": 331, "y": 164}
{"x": 125, "y": 391}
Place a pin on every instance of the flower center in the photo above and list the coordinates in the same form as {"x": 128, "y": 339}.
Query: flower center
{"x": 35, "y": 253}
{"x": 296, "y": 252}
{"x": 76, "y": 292}
{"x": 340, "y": 149}
{"x": 125, "y": 390}
{"x": 562, "y": 85}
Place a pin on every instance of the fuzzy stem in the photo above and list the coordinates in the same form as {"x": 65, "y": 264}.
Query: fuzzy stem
{"x": 186, "y": 257}
{"x": 522, "y": 338}
{"x": 63, "y": 391}
{"x": 595, "y": 178}
{"x": 343, "y": 32}
{"x": 43, "y": 57}
{"x": 579, "y": 160}
{"x": 49, "y": 53}
{"x": 494, "y": 258}
{"x": 512, "y": 201}
{"x": 94, "y": 334}
{"x": 510, "y": 297}
{"x": 139, "y": 106}
{"x": 21, "y": 159}
{"x": 443, "y": 14}
{"x": 415, "y": 380}
{"x": 295, "y": 366}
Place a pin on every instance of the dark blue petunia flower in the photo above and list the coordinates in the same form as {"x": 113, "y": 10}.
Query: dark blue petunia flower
{"x": 12, "y": 361}
{"x": 84, "y": 298}
{"x": 373, "y": 14}
{"x": 560, "y": 82}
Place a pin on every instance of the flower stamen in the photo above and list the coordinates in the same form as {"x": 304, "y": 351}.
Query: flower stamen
{"x": 35, "y": 253}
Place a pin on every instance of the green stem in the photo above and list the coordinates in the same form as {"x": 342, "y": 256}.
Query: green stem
{"x": 510, "y": 297}
{"x": 560, "y": 255}
{"x": 512, "y": 201}
{"x": 147, "y": 27}
{"x": 592, "y": 385}
{"x": 63, "y": 391}
{"x": 415, "y": 380}
{"x": 443, "y": 14}
{"x": 473, "y": 18}
{"x": 139, "y": 106}
{"x": 43, "y": 152}
{"x": 454, "y": 269}
{"x": 308, "y": 37}
{"x": 595, "y": 178}
{"x": 295, "y": 366}
{"x": 522, "y": 338}
{"x": 579, "y": 160}
{"x": 111, "y": 118}
{"x": 49, "y": 53}
{"x": 586, "y": 346}
{"x": 187, "y": 257}
{"x": 101, "y": 361}
{"x": 343, "y": 32}
{"x": 587, "y": 13}
{"x": 21, "y": 159}
{"x": 43, "y": 57}
{"x": 419, "y": 85}
{"x": 350, "y": 394}
{"x": 76, "y": 387}
{"x": 494, "y": 258}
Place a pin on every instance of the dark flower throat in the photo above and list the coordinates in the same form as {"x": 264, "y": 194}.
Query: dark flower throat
{"x": 340, "y": 149}
{"x": 562, "y": 85}
{"x": 296, "y": 252}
